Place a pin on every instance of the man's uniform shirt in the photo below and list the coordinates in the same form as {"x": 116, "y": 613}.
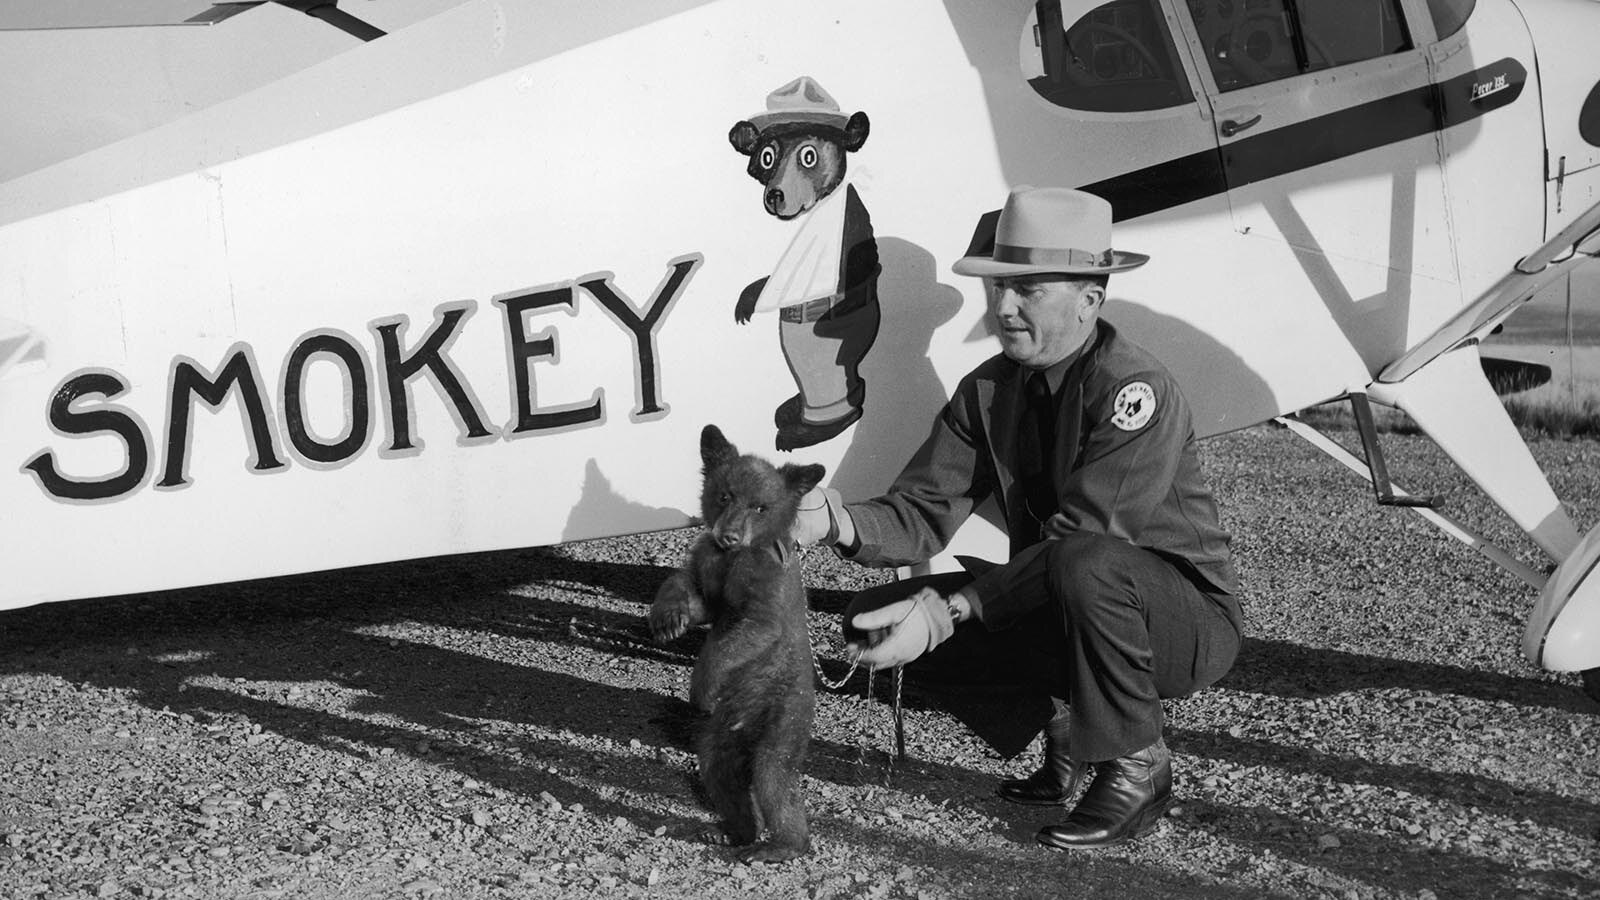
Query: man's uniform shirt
{"x": 1124, "y": 461}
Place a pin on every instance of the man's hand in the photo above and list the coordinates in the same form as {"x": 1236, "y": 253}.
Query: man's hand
{"x": 820, "y": 516}
{"x": 901, "y": 632}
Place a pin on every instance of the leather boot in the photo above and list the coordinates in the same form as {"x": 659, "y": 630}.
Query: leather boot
{"x": 1127, "y": 798}
{"x": 1057, "y": 778}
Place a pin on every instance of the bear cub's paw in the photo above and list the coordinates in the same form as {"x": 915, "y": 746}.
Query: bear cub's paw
{"x": 770, "y": 852}
{"x": 675, "y": 609}
{"x": 668, "y": 622}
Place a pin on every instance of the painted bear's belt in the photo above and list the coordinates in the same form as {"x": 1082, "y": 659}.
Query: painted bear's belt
{"x": 811, "y": 310}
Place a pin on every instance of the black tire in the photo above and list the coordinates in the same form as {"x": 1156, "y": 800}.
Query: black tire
{"x": 1591, "y": 684}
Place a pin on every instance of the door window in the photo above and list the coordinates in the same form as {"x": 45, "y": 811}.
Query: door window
{"x": 1250, "y": 42}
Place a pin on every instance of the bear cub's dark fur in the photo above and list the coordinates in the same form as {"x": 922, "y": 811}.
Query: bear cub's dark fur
{"x": 753, "y": 678}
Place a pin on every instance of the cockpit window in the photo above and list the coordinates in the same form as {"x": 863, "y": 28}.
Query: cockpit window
{"x": 1450, "y": 15}
{"x": 1250, "y": 42}
{"x": 1117, "y": 58}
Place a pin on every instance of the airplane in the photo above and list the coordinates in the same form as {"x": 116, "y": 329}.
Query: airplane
{"x": 476, "y": 281}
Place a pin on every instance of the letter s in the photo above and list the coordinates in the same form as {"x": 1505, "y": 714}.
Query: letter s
{"x": 122, "y": 422}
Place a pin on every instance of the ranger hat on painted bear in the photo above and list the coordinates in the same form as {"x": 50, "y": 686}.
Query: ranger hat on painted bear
{"x": 801, "y": 101}
{"x": 802, "y": 105}
{"x": 1051, "y": 231}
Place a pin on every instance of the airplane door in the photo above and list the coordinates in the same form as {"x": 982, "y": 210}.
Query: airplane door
{"x": 1494, "y": 139}
{"x": 1325, "y": 120}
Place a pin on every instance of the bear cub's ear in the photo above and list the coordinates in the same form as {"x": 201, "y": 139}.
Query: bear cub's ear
{"x": 800, "y": 479}
{"x": 743, "y": 137}
{"x": 714, "y": 448}
{"x": 855, "y": 131}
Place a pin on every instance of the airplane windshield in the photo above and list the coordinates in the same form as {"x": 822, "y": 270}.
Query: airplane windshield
{"x": 1450, "y": 15}
{"x": 1117, "y": 58}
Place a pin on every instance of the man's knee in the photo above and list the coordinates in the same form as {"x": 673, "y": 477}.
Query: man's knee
{"x": 1088, "y": 570}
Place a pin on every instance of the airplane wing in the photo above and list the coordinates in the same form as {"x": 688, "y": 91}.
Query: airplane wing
{"x": 1573, "y": 246}
{"x": 27, "y": 15}
{"x": 328, "y": 12}
{"x": 31, "y": 15}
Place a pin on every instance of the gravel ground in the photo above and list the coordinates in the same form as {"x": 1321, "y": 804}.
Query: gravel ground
{"x": 499, "y": 725}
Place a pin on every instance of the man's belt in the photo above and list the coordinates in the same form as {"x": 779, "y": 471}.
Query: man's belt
{"x": 811, "y": 310}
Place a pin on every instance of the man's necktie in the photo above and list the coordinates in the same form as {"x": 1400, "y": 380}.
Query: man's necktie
{"x": 1036, "y": 444}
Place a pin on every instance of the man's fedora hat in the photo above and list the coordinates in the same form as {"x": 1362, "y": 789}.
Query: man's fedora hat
{"x": 1052, "y": 230}
{"x": 801, "y": 101}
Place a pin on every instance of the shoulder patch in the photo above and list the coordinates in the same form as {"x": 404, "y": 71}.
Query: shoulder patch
{"x": 1134, "y": 406}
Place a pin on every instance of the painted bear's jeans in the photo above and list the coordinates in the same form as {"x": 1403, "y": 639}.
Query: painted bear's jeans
{"x": 825, "y": 358}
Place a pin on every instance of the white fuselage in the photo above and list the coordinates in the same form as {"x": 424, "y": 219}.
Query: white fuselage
{"x": 566, "y": 218}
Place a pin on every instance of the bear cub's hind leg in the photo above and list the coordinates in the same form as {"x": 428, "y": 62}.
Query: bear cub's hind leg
{"x": 725, "y": 769}
{"x": 776, "y": 791}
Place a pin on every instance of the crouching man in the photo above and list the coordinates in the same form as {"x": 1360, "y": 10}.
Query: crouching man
{"x": 1119, "y": 590}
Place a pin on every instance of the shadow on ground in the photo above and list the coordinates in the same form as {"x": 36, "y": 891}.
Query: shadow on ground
{"x": 310, "y": 629}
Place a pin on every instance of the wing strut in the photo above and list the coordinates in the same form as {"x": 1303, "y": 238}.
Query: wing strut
{"x": 1443, "y": 522}
{"x": 1378, "y": 471}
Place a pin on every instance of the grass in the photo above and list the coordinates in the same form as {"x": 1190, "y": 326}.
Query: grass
{"x": 1336, "y": 416}
{"x": 1569, "y": 404}
{"x": 1556, "y": 416}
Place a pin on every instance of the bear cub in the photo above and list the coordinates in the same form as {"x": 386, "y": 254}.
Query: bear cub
{"x": 753, "y": 677}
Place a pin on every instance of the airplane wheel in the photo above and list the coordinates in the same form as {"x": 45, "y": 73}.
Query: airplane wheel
{"x": 1591, "y": 684}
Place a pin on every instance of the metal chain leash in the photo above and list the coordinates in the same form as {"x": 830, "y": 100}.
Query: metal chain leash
{"x": 816, "y": 666}
{"x": 896, "y": 711}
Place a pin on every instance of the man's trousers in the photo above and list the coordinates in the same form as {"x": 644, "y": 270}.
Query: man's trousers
{"x": 1111, "y": 629}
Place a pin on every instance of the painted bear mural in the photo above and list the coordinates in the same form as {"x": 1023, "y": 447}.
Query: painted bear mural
{"x": 825, "y": 286}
